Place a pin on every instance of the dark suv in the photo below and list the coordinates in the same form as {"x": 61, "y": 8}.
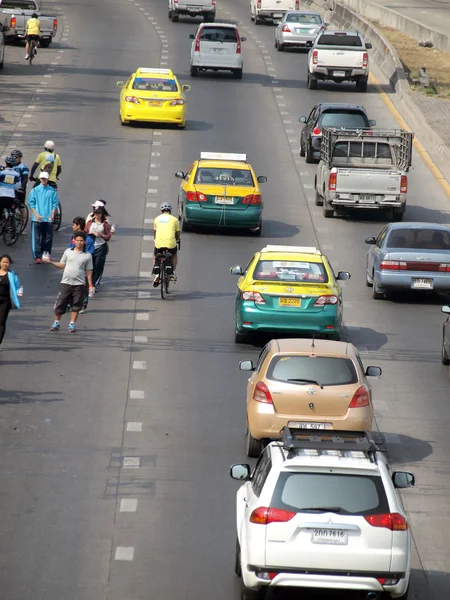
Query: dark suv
{"x": 348, "y": 116}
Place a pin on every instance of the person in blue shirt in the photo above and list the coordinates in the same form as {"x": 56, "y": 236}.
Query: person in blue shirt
{"x": 8, "y": 181}
{"x": 43, "y": 202}
{"x": 10, "y": 292}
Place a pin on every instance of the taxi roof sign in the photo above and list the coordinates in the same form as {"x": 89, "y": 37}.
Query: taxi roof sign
{"x": 222, "y": 156}
{"x": 158, "y": 71}
{"x": 302, "y": 249}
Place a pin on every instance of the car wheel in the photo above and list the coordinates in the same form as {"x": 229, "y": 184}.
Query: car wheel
{"x": 445, "y": 358}
{"x": 45, "y": 43}
{"x": 237, "y": 560}
{"x": 194, "y": 71}
{"x": 175, "y": 17}
{"x": 240, "y": 338}
{"x": 369, "y": 282}
{"x": 397, "y": 214}
{"x": 237, "y": 73}
{"x": 328, "y": 212}
{"x": 361, "y": 84}
{"x": 253, "y": 447}
{"x": 309, "y": 154}
{"x": 248, "y": 594}
{"x": 170, "y": 14}
{"x": 1, "y": 64}
{"x": 258, "y": 21}
{"x": 280, "y": 48}
{"x": 256, "y": 231}
{"x": 376, "y": 294}
{"x": 405, "y": 595}
{"x": 318, "y": 200}
{"x": 276, "y": 43}
{"x": 311, "y": 82}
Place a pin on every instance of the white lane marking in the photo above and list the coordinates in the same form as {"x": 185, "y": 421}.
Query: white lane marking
{"x": 47, "y": 75}
{"x": 147, "y": 274}
{"x": 128, "y": 505}
{"x": 146, "y": 14}
{"x": 277, "y": 89}
{"x": 321, "y": 229}
{"x": 152, "y": 191}
{"x": 308, "y": 186}
{"x": 281, "y": 104}
{"x": 151, "y": 204}
{"x": 31, "y": 107}
{"x": 283, "y": 112}
{"x": 156, "y": 153}
{"x": 54, "y": 63}
{"x": 143, "y": 339}
{"x": 22, "y": 124}
{"x": 147, "y": 255}
{"x": 156, "y": 143}
{"x": 17, "y": 134}
{"x": 153, "y": 178}
{"x": 264, "y": 51}
{"x": 292, "y": 140}
{"x": 157, "y": 133}
{"x": 304, "y": 173}
{"x": 270, "y": 69}
{"x": 148, "y": 238}
{"x": 331, "y": 247}
{"x": 280, "y": 97}
{"x": 163, "y": 62}
{"x": 140, "y": 364}
{"x": 124, "y": 553}
{"x": 392, "y": 438}
{"x": 287, "y": 122}
{"x": 148, "y": 221}
{"x": 142, "y": 317}
{"x": 137, "y": 394}
{"x": 290, "y": 130}
{"x": 131, "y": 462}
{"x": 134, "y": 426}
{"x": 144, "y": 295}
{"x": 154, "y": 165}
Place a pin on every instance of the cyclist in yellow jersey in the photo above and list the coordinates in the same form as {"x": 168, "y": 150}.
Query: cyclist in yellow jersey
{"x": 166, "y": 235}
{"x": 47, "y": 161}
{"x": 33, "y": 32}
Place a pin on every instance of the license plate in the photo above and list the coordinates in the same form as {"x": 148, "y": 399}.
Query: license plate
{"x": 301, "y": 30}
{"x": 278, "y": 16}
{"x": 289, "y": 302}
{"x": 339, "y": 73}
{"x": 301, "y": 425}
{"x": 367, "y": 199}
{"x": 194, "y": 9}
{"x": 422, "y": 284}
{"x": 218, "y": 50}
{"x": 330, "y": 536}
{"x": 224, "y": 200}
{"x": 154, "y": 103}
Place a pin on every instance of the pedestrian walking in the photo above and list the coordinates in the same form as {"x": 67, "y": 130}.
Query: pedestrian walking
{"x": 100, "y": 230}
{"x": 43, "y": 202}
{"x": 77, "y": 265}
{"x": 78, "y": 224}
{"x": 10, "y": 292}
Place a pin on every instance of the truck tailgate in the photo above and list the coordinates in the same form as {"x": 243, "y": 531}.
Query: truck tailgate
{"x": 368, "y": 181}
{"x": 352, "y": 59}
{"x": 48, "y": 25}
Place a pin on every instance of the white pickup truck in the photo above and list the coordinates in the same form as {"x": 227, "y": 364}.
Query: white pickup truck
{"x": 14, "y": 15}
{"x": 339, "y": 56}
{"x": 271, "y": 10}
{"x": 363, "y": 169}
{"x": 193, "y": 8}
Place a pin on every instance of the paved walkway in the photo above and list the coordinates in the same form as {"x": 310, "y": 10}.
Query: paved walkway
{"x": 434, "y": 14}
{"x": 437, "y": 113}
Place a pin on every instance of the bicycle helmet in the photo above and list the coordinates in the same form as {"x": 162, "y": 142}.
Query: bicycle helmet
{"x": 49, "y": 145}
{"x": 34, "y": 16}
{"x": 166, "y": 206}
{"x": 17, "y": 153}
{"x": 10, "y": 161}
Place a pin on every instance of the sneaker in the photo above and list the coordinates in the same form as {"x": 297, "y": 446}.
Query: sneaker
{"x": 26, "y": 57}
{"x": 37, "y": 261}
{"x": 83, "y": 311}
{"x": 55, "y": 326}
{"x": 35, "y": 51}
{"x": 72, "y": 328}
{"x": 156, "y": 281}
{"x": 173, "y": 278}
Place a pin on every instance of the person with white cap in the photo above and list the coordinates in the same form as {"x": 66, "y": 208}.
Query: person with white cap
{"x": 47, "y": 161}
{"x": 43, "y": 202}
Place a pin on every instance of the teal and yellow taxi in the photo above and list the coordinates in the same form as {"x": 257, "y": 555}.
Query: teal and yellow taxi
{"x": 288, "y": 289}
{"x": 220, "y": 190}
{"x": 153, "y": 95}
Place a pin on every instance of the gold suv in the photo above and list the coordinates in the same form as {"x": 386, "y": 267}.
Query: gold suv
{"x": 308, "y": 384}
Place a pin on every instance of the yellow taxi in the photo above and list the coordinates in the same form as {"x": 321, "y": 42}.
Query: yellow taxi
{"x": 288, "y": 289}
{"x": 221, "y": 190}
{"x": 153, "y": 95}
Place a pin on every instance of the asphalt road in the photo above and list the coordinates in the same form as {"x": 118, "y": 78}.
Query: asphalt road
{"x": 80, "y": 491}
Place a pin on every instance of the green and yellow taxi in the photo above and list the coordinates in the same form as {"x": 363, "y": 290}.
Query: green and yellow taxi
{"x": 153, "y": 95}
{"x": 290, "y": 289}
{"x": 220, "y": 190}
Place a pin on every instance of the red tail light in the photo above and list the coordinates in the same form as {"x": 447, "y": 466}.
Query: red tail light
{"x": 132, "y": 99}
{"x": 176, "y": 1}
{"x": 176, "y": 101}
{"x": 255, "y": 296}
{"x": 262, "y": 393}
{"x": 392, "y": 521}
{"x": 316, "y": 131}
{"x": 13, "y": 23}
{"x": 197, "y": 43}
{"x": 264, "y": 515}
{"x": 286, "y": 28}
{"x": 196, "y": 197}
{"x": 297, "y": 4}
{"x": 404, "y": 184}
{"x": 365, "y": 59}
{"x": 393, "y": 265}
{"x": 332, "y": 182}
{"x": 238, "y": 43}
{"x": 315, "y": 57}
{"x": 252, "y": 199}
{"x": 444, "y": 267}
{"x": 258, "y": 4}
{"x": 322, "y": 300}
{"x": 361, "y": 398}
{"x": 55, "y": 24}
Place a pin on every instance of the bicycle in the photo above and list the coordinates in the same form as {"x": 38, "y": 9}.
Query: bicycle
{"x": 163, "y": 267}
{"x": 11, "y": 225}
{"x": 32, "y": 50}
{"x": 19, "y": 204}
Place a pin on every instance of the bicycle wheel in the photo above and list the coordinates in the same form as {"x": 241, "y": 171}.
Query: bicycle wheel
{"x": 58, "y": 217}
{"x": 11, "y": 232}
{"x": 167, "y": 282}
{"x": 162, "y": 279}
{"x": 22, "y": 207}
{"x": 31, "y": 52}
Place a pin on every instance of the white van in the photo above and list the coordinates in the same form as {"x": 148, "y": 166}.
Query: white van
{"x": 194, "y": 8}
{"x": 274, "y": 10}
{"x": 217, "y": 47}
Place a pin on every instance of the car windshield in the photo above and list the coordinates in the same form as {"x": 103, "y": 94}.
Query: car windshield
{"x": 339, "y": 39}
{"x": 304, "y": 18}
{"x": 326, "y": 370}
{"x": 347, "y": 119}
{"x": 22, "y": 4}
{"x": 352, "y": 494}
{"x": 147, "y": 84}
{"x": 290, "y": 271}
{"x": 224, "y": 176}
{"x": 218, "y": 34}
{"x": 423, "y": 239}
{"x": 362, "y": 150}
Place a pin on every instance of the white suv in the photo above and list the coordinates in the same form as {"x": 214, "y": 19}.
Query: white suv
{"x": 320, "y": 510}
{"x": 217, "y": 47}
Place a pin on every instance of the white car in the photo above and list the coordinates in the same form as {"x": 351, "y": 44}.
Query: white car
{"x": 320, "y": 511}
{"x": 217, "y": 47}
{"x": 194, "y": 8}
{"x": 271, "y": 10}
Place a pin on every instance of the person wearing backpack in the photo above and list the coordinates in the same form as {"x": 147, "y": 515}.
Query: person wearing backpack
{"x": 49, "y": 162}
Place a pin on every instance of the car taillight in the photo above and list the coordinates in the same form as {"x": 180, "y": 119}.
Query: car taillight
{"x": 262, "y": 393}
{"x": 332, "y": 181}
{"x": 255, "y": 296}
{"x": 132, "y": 99}
{"x": 238, "y": 43}
{"x": 322, "y": 300}
{"x": 286, "y": 28}
{"x": 315, "y": 57}
{"x": 365, "y": 59}
{"x": 252, "y": 199}
{"x": 264, "y": 515}
{"x": 404, "y": 184}
{"x": 13, "y": 23}
{"x": 444, "y": 267}
{"x": 360, "y": 398}
{"x": 176, "y": 1}
{"x": 55, "y": 24}
{"x": 316, "y": 131}
{"x": 393, "y": 265}
{"x": 258, "y": 4}
{"x": 392, "y": 521}
{"x": 176, "y": 101}
{"x": 196, "y": 197}
{"x": 297, "y": 4}
{"x": 197, "y": 43}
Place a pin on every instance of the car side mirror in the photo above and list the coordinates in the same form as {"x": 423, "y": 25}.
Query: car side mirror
{"x": 343, "y": 276}
{"x": 446, "y": 310}
{"x": 370, "y": 240}
{"x": 372, "y": 122}
{"x": 237, "y": 270}
{"x": 262, "y": 179}
{"x": 180, "y": 175}
{"x": 373, "y": 371}
{"x": 240, "y": 472}
{"x": 246, "y": 365}
{"x": 186, "y": 88}
{"x": 243, "y": 39}
{"x": 403, "y": 479}
{"x": 302, "y": 119}
{"x": 120, "y": 84}
{"x": 191, "y": 36}
{"x": 369, "y": 46}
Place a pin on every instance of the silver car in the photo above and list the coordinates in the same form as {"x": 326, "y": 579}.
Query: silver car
{"x": 409, "y": 256}
{"x": 298, "y": 28}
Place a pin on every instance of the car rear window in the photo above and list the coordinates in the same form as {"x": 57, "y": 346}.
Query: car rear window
{"x": 326, "y": 370}
{"x": 218, "y": 34}
{"x": 290, "y": 271}
{"x": 22, "y": 4}
{"x": 339, "y": 39}
{"x": 148, "y": 84}
{"x": 425, "y": 239}
{"x": 347, "y": 120}
{"x": 362, "y": 150}
{"x": 346, "y": 494}
{"x": 304, "y": 18}
{"x": 219, "y": 176}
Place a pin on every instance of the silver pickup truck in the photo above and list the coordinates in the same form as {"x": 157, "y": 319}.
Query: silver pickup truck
{"x": 363, "y": 169}
{"x": 14, "y": 15}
